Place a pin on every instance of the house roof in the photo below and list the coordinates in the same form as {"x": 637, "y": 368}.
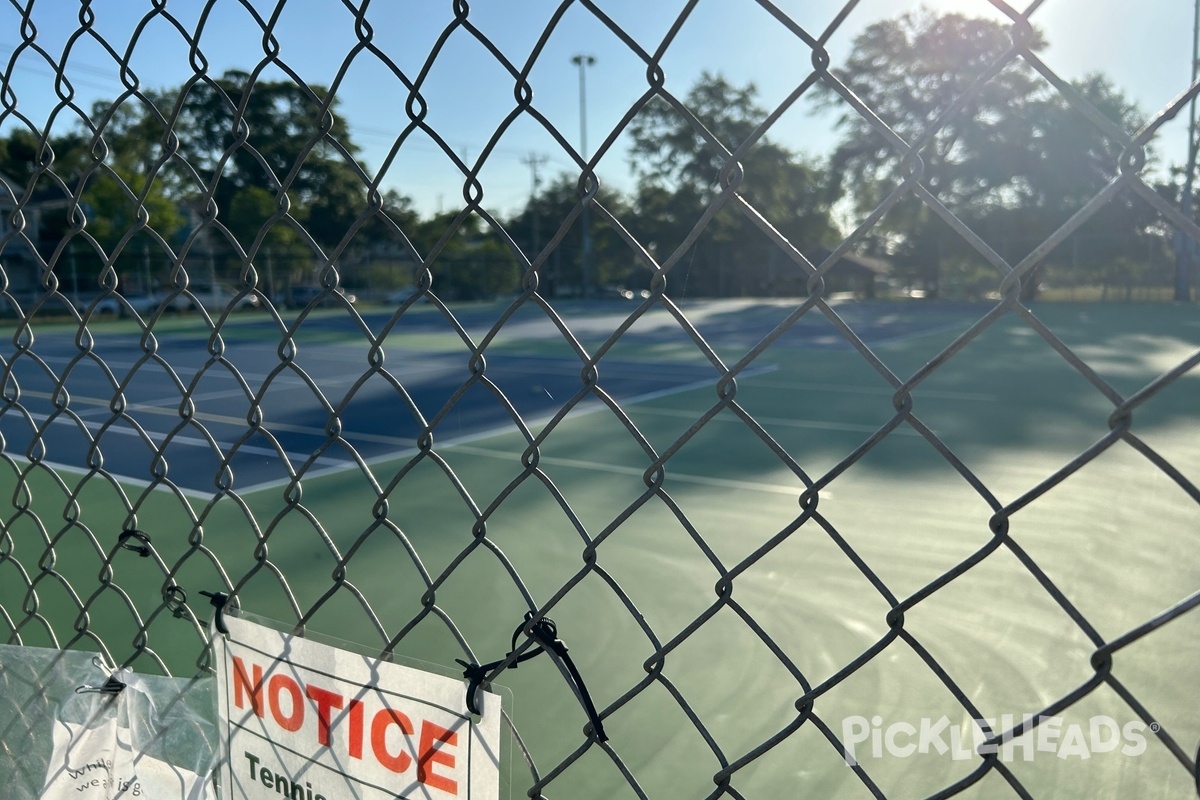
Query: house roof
{"x": 45, "y": 195}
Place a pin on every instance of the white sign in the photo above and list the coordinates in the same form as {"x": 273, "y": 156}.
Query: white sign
{"x": 97, "y": 762}
{"x": 309, "y": 721}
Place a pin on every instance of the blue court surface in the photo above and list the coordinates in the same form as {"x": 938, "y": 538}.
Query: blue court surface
{"x": 259, "y": 406}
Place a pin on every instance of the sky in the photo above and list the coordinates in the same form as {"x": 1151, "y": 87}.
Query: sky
{"x": 1145, "y": 47}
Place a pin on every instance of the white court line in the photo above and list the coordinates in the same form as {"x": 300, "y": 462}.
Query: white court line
{"x": 73, "y": 469}
{"x": 190, "y": 441}
{"x": 160, "y": 405}
{"x": 461, "y": 442}
{"x": 784, "y": 423}
{"x": 595, "y": 466}
{"x": 903, "y": 337}
{"x": 167, "y": 409}
{"x": 286, "y": 376}
{"x": 590, "y": 406}
{"x": 872, "y": 390}
{"x": 335, "y": 467}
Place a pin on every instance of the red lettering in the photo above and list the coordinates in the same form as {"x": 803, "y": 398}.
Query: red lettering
{"x": 288, "y": 698}
{"x": 383, "y": 720}
{"x": 243, "y": 685}
{"x": 278, "y": 684}
{"x": 431, "y": 753}
{"x": 325, "y": 700}
{"x": 356, "y": 729}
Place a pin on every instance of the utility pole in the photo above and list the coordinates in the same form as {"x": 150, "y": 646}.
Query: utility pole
{"x": 272, "y": 293}
{"x": 1185, "y": 246}
{"x": 583, "y": 61}
{"x": 148, "y": 288}
{"x": 74, "y": 274}
{"x": 534, "y": 161}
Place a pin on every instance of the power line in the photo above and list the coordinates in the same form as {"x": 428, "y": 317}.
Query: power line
{"x": 419, "y": 144}
{"x": 73, "y": 65}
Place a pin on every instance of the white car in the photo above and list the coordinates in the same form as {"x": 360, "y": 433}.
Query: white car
{"x": 213, "y": 298}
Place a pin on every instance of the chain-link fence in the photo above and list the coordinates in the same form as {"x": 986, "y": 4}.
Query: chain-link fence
{"x": 793, "y": 543}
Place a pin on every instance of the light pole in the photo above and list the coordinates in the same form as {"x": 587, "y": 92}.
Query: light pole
{"x": 583, "y": 61}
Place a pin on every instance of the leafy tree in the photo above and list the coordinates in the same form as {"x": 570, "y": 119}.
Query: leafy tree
{"x": 19, "y": 156}
{"x": 669, "y": 150}
{"x": 279, "y": 122}
{"x": 115, "y": 160}
{"x": 123, "y": 163}
{"x": 1013, "y": 157}
{"x": 473, "y": 263}
{"x": 679, "y": 170}
{"x": 111, "y": 210}
{"x": 612, "y": 262}
{"x": 244, "y": 142}
{"x": 1072, "y": 161}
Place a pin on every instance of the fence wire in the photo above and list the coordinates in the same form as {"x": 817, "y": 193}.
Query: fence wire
{"x": 100, "y": 557}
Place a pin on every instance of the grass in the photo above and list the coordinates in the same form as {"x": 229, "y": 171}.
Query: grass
{"x": 1114, "y": 537}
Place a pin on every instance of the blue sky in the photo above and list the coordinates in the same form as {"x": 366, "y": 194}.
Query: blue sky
{"x": 1145, "y": 47}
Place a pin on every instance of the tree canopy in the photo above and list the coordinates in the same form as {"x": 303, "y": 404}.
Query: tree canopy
{"x": 679, "y": 160}
{"x": 259, "y": 149}
{"x": 1002, "y": 149}
{"x": 957, "y": 112}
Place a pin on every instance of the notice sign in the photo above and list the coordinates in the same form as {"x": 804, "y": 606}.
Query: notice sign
{"x": 306, "y": 721}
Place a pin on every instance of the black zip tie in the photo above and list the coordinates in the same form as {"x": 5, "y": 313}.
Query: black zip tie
{"x": 143, "y": 549}
{"x": 545, "y": 633}
{"x": 475, "y": 673}
{"x": 218, "y": 600}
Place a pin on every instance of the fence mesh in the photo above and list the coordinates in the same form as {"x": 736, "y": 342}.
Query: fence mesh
{"x": 125, "y": 441}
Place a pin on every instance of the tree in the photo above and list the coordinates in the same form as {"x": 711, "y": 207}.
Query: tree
{"x": 279, "y": 122}
{"x": 1013, "y": 157}
{"x": 1073, "y": 159}
{"x": 473, "y": 263}
{"x": 19, "y": 156}
{"x": 613, "y": 263}
{"x": 111, "y": 203}
{"x": 123, "y": 163}
{"x": 113, "y": 164}
{"x": 679, "y": 171}
{"x": 258, "y": 147}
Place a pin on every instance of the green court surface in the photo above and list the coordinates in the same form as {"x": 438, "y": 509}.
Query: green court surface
{"x": 1117, "y": 538}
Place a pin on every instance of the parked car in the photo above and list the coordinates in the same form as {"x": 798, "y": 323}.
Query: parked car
{"x": 212, "y": 297}
{"x": 399, "y": 296}
{"x": 301, "y": 296}
{"x": 620, "y": 292}
{"x": 119, "y": 304}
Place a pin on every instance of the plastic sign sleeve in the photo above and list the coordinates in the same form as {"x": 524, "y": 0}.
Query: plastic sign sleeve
{"x": 303, "y": 719}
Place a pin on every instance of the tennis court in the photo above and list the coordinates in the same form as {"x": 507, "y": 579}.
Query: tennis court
{"x": 325, "y": 373}
{"x": 714, "y": 594}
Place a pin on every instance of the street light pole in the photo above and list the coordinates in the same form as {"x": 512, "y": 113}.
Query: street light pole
{"x": 583, "y": 61}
